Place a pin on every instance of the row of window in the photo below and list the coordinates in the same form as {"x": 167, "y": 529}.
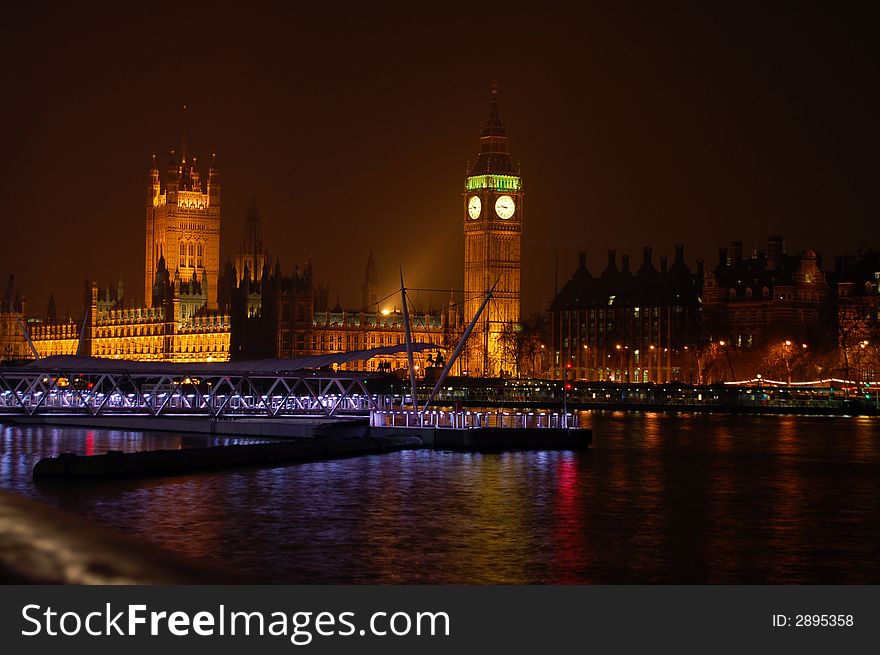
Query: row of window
{"x": 141, "y": 348}
{"x": 135, "y": 331}
{"x": 321, "y": 341}
{"x": 617, "y": 313}
{"x": 191, "y": 255}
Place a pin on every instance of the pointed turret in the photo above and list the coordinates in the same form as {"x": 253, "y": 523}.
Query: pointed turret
{"x": 370, "y": 288}
{"x": 173, "y": 172}
{"x": 7, "y": 295}
{"x": 493, "y": 126}
{"x": 154, "y": 188}
{"x": 493, "y": 157}
{"x": 252, "y": 253}
{"x": 161, "y": 282}
{"x": 214, "y": 182}
{"x": 51, "y": 313}
{"x": 195, "y": 183}
{"x": 172, "y": 182}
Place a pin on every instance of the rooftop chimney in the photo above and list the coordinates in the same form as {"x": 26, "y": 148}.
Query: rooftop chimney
{"x": 722, "y": 256}
{"x": 679, "y": 253}
{"x": 625, "y": 263}
{"x": 582, "y": 260}
{"x": 775, "y": 249}
{"x": 648, "y": 258}
{"x": 735, "y": 253}
{"x": 663, "y": 264}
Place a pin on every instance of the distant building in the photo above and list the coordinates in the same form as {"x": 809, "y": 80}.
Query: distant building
{"x": 747, "y": 300}
{"x": 279, "y": 316}
{"x": 858, "y": 315}
{"x": 627, "y": 327}
{"x": 13, "y": 345}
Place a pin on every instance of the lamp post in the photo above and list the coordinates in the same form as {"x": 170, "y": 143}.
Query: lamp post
{"x": 860, "y": 369}
{"x": 786, "y": 358}
{"x": 618, "y": 373}
{"x": 566, "y": 387}
{"x": 586, "y": 362}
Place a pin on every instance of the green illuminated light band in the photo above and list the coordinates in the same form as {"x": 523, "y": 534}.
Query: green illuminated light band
{"x": 497, "y": 182}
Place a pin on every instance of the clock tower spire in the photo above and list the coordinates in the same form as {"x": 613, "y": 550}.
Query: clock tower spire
{"x": 493, "y": 219}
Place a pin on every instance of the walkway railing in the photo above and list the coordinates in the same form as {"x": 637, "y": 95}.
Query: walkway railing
{"x": 464, "y": 419}
{"x": 31, "y": 392}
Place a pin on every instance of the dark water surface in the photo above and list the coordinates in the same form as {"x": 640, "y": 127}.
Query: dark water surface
{"x": 659, "y": 499}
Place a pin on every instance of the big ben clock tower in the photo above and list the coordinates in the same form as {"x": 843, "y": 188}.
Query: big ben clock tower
{"x": 493, "y": 219}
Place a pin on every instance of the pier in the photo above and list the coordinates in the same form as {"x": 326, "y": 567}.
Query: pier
{"x": 474, "y": 419}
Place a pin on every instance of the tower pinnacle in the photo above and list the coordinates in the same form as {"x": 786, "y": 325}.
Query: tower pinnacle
{"x": 493, "y": 157}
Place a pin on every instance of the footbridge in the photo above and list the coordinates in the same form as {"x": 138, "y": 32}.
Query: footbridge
{"x": 88, "y": 386}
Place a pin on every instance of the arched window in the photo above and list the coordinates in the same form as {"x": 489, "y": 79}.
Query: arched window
{"x": 749, "y": 293}
{"x": 765, "y": 292}
{"x": 732, "y": 294}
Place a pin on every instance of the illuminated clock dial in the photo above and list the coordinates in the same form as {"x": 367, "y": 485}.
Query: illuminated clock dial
{"x": 474, "y": 207}
{"x": 504, "y": 207}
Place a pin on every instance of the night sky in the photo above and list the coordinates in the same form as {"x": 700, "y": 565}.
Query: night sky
{"x": 695, "y": 125}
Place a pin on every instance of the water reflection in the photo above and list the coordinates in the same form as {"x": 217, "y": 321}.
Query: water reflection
{"x": 660, "y": 498}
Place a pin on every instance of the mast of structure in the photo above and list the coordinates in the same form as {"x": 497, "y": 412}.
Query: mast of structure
{"x": 407, "y": 333}
{"x": 82, "y": 332}
{"x": 27, "y": 336}
{"x": 458, "y": 348}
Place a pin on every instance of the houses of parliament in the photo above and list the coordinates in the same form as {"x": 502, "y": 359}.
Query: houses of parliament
{"x": 196, "y": 309}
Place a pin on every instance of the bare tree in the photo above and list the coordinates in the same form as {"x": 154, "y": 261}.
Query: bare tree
{"x": 853, "y": 333}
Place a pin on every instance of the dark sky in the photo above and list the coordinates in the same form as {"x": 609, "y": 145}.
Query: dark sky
{"x": 696, "y": 124}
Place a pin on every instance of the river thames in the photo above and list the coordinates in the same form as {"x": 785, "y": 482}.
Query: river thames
{"x": 660, "y": 498}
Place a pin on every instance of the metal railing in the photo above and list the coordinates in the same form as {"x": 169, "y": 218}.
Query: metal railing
{"x": 35, "y": 391}
{"x": 467, "y": 419}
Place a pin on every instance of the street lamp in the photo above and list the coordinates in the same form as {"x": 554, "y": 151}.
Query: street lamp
{"x": 586, "y": 363}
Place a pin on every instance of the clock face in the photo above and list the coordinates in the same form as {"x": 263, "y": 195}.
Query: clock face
{"x": 474, "y": 207}
{"x": 504, "y": 207}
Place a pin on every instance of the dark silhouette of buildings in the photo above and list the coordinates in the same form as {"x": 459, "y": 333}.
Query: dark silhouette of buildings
{"x": 625, "y": 326}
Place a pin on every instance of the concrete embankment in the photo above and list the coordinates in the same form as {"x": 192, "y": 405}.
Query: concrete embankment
{"x": 188, "y": 460}
{"x": 40, "y": 544}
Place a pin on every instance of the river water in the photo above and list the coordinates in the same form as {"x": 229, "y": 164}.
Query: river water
{"x": 660, "y": 498}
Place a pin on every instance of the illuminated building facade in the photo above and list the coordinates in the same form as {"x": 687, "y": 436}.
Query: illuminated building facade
{"x": 280, "y": 316}
{"x": 338, "y": 330}
{"x": 13, "y": 345}
{"x": 627, "y": 327}
{"x": 183, "y": 225}
{"x": 55, "y": 337}
{"x": 176, "y": 327}
{"x": 179, "y": 320}
{"x": 493, "y": 222}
